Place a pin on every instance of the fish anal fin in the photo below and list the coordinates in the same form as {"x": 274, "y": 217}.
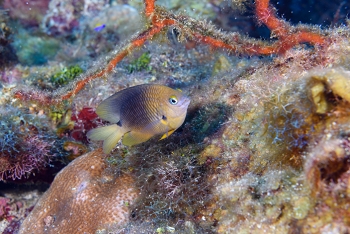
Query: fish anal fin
{"x": 134, "y": 138}
{"x": 110, "y": 135}
{"x": 167, "y": 134}
{"x": 101, "y": 133}
{"x": 110, "y": 142}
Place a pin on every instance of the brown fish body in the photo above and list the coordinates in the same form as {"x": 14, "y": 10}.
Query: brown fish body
{"x": 139, "y": 113}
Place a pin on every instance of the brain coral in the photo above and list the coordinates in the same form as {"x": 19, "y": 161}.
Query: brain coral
{"x": 85, "y": 197}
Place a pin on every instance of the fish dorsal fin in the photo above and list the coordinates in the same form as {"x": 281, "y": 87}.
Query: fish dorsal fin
{"x": 109, "y": 109}
{"x": 134, "y": 138}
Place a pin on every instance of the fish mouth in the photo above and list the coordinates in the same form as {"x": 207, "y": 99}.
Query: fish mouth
{"x": 186, "y": 102}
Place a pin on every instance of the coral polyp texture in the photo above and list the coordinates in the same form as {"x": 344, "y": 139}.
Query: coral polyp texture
{"x": 95, "y": 199}
{"x": 265, "y": 146}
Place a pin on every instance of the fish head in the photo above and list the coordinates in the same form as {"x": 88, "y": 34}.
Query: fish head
{"x": 176, "y": 108}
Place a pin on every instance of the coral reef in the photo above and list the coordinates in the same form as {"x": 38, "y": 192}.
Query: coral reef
{"x": 29, "y": 13}
{"x": 61, "y": 17}
{"x": 202, "y": 32}
{"x": 5, "y": 208}
{"x": 95, "y": 199}
{"x": 264, "y": 148}
{"x": 12, "y": 213}
{"x": 192, "y": 8}
{"x": 30, "y": 150}
{"x": 295, "y": 144}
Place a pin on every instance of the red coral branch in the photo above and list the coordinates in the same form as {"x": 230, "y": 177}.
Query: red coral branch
{"x": 267, "y": 16}
{"x": 287, "y": 36}
{"x": 149, "y": 7}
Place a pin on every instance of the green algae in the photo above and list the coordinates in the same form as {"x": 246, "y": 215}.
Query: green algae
{"x": 141, "y": 63}
{"x": 66, "y": 75}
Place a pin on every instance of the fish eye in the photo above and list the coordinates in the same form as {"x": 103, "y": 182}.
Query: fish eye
{"x": 173, "y": 100}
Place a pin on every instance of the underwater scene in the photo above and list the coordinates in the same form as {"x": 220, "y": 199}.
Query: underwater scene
{"x": 170, "y": 116}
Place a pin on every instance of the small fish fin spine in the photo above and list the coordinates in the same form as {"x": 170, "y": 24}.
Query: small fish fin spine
{"x": 110, "y": 135}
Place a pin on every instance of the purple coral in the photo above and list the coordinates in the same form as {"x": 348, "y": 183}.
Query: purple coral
{"x": 13, "y": 211}
{"x": 10, "y": 75}
{"x": 25, "y": 144}
{"x": 4, "y": 208}
{"x": 34, "y": 154}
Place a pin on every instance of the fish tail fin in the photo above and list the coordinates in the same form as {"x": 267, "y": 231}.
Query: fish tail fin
{"x": 110, "y": 135}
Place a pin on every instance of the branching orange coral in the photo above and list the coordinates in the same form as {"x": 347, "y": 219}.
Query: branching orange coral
{"x": 200, "y": 31}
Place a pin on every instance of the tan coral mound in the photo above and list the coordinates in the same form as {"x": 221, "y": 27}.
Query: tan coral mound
{"x": 85, "y": 197}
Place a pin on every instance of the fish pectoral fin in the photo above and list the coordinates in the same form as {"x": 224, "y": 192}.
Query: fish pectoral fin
{"x": 110, "y": 135}
{"x": 134, "y": 138}
{"x": 167, "y": 134}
